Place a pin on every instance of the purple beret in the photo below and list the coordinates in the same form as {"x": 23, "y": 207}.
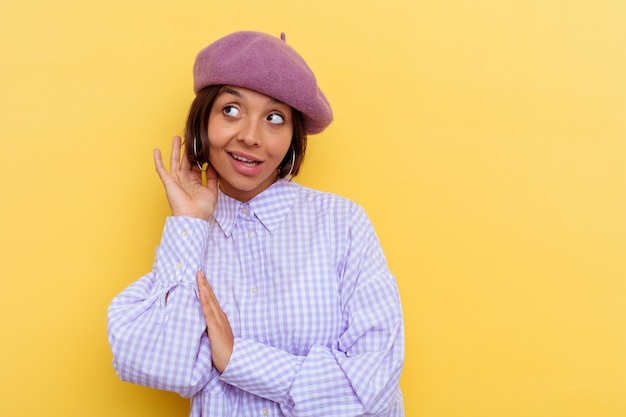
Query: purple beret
{"x": 268, "y": 65}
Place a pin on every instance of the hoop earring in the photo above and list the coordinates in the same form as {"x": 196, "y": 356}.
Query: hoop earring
{"x": 293, "y": 162}
{"x": 195, "y": 153}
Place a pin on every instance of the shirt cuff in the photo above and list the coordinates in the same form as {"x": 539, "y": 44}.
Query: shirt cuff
{"x": 261, "y": 370}
{"x": 182, "y": 249}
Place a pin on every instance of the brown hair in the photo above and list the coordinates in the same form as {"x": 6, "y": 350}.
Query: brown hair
{"x": 197, "y": 135}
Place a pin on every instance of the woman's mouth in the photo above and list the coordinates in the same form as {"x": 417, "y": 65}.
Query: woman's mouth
{"x": 244, "y": 161}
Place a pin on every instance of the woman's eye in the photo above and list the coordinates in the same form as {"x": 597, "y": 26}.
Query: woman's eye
{"x": 231, "y": 111}
{"x": 276, "y": 119}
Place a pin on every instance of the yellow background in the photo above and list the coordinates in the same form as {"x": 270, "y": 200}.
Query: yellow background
{"x": 485, "y": 138}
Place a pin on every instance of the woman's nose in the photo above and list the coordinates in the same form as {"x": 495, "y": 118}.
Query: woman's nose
{"x": 250, "y": 132}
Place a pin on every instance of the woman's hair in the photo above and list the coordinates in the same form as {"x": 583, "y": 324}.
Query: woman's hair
{"x": 197, "y": 135}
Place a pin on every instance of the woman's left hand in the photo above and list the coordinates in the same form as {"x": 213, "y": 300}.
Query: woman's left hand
{"x": 218, "y": 327}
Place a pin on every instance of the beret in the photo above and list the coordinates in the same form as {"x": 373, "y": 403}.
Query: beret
{"x": 266, "y": 64}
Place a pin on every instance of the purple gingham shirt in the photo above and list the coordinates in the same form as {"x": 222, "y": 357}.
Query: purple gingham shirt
{"x": 314, "y": 309}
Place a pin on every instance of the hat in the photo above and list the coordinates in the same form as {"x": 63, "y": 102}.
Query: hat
{"x": 266, "y": 64}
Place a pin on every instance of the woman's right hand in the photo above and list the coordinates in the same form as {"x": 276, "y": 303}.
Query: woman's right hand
{"x": 185, "y": 192}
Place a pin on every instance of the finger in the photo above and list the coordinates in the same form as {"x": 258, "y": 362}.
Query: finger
{"x": 211, "y": 308}
{"x": 185, "y": 164}
{"x": 202, "y": 284}
{"x": 175, "y": 155}
{"x": 211, "y": 178}
{"x": 158, "y": 163}
{"x": 206, "y": 289}
{"x": 207, "y": 297}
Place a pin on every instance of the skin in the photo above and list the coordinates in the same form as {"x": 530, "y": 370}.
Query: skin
{"x": 246, "y": 126}
{"x": 249, "y": 135}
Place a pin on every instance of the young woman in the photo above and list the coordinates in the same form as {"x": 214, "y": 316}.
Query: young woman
{"x": 266, "y": 297}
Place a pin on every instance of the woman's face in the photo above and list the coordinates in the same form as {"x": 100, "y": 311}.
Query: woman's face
{"x": 249, "y": 135}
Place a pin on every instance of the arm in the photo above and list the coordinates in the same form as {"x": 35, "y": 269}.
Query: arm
{"x": 359, "y": 373}
{"x": 155, "y": 326}
{"x": 158, "y": 343}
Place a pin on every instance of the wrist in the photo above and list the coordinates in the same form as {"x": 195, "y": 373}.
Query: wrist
{"x": 192, "y": 214}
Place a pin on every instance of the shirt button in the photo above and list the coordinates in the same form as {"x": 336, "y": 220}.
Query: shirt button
{"x": 179, "y": 264}
{"x": 266, "y": 412}
{"x": 250, "y": 235}
{"x": 183, "y": 232}
{"x": 244, "y": 210}
{"x": 255, "y": 290}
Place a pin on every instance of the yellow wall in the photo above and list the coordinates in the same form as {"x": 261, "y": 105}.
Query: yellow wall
{"x": 485, "y": 138}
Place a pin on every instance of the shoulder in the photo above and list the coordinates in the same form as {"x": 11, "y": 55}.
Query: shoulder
{"x": 326, "y": 202}
{"x": 334, "y": 210}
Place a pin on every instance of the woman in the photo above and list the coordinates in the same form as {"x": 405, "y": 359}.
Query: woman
{"x": 266, "y": 297}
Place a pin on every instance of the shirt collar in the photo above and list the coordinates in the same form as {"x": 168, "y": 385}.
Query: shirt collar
{"x": 270, "y": 206}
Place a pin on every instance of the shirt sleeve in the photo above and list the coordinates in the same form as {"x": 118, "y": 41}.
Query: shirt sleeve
{"x": 155, "y": 326}
{"x": 360, "y": 373}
